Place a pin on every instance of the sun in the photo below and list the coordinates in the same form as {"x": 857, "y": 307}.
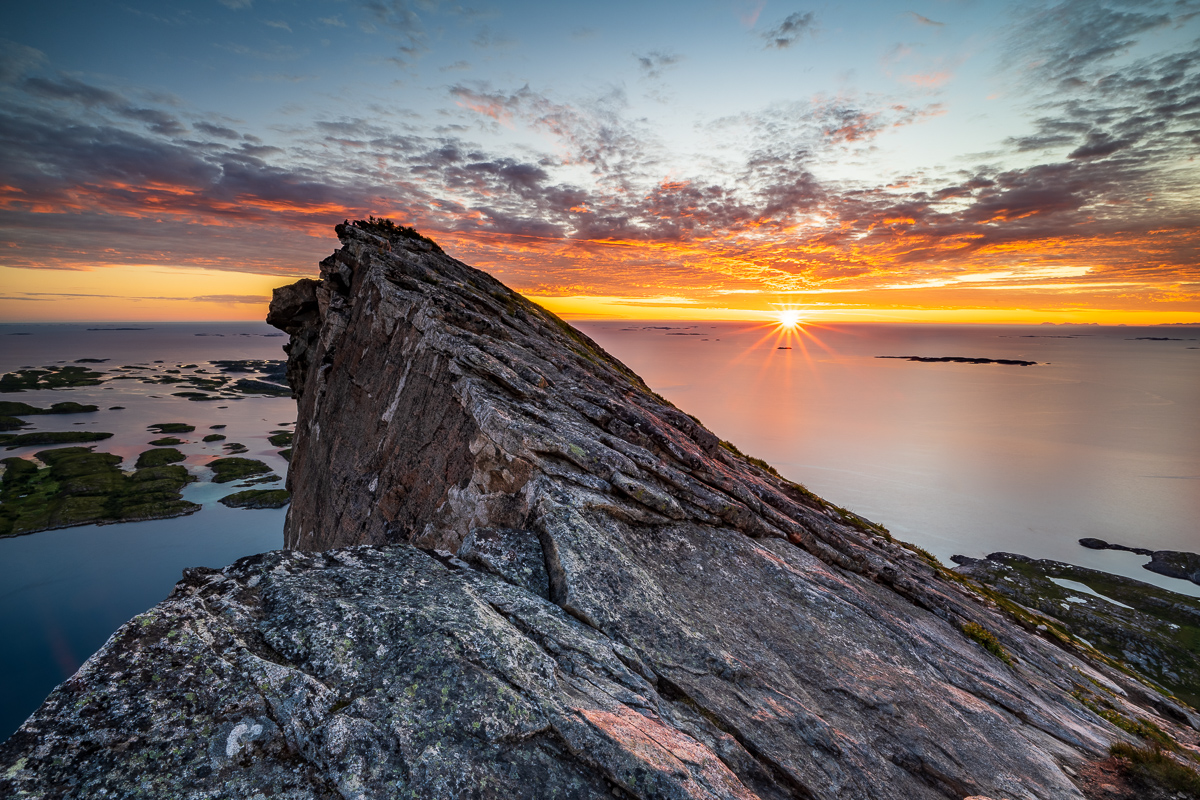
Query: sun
{"x": 789, "y": 318}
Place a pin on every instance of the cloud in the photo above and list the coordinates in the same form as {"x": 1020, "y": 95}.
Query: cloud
{"x": 74, "y": 90}
{"x": 280, "y": 24}
{"x": 928, "y": 80}
{"x": 925, "y": 20}
{"x": 17, "y": 60}
{"x": 333, "y": 22}
{"x": 748, "y": 11}
{"x": 1063, "y": 40}
{"x": 400, "y": 20}
{"x": 793, "y": 27}
{"x": 216, "y": 130}
{"x": 274, "y": 52}
{"x": 1099, "y": 145}
{"x": 653, "y": 63}
{"x": 487, "y": 39}
{"x": 247, "y": 299}
{"x": 236, "y": 5}
{"x": 595, "y": 202}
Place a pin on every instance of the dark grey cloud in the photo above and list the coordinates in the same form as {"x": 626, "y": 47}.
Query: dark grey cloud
{"x": 73, "y": 90}
{"x": 790, "y": 30}
{"x": 1098, "y": 145}
{"x": 216, "y": 130}
{"x": 1067, "y": 39}
{"x": 653, "y": 63}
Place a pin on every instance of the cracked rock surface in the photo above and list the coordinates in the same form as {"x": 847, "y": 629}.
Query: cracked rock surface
{"x": 515, "y": 571}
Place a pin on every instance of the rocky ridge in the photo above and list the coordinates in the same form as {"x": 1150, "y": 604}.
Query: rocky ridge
{"x": 515, "y": 571}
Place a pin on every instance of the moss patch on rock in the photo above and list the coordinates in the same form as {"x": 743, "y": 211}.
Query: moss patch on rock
{"x": 80, "y": 487}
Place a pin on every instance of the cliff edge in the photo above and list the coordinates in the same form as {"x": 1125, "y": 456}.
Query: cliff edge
{"x": 515, "y": 571}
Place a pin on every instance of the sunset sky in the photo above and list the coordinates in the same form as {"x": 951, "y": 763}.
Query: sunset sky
{"x": 948, "y": 160}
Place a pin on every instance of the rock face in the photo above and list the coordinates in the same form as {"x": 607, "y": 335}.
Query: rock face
{"x": 515, "y": 571}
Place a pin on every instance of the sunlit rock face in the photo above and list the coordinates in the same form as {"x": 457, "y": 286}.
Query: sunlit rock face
{"x": 514, "y": 571}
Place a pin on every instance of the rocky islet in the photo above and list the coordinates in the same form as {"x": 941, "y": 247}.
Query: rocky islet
{"x": 1172, "y": 563}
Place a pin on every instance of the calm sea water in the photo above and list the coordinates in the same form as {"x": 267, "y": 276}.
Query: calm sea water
{"x": 1101, "y": 438}
{"x": 62, "y": 593}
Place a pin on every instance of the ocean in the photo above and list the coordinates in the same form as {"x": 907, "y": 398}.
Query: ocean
{"x": 64, "y": 592}
{"x": 1100, "y": 438}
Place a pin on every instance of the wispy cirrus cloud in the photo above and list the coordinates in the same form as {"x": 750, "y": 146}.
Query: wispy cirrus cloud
{"x": 923, "y": 20}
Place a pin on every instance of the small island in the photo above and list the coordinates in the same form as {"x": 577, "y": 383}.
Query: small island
{"x": 81, "y": 487}
{"x": 1173, "y": 563}
{"x": 257, "y": 498}
{"x": 966, "y": 360}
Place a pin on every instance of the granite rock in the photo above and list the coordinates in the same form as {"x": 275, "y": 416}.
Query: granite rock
{"x": 516, "y": 571}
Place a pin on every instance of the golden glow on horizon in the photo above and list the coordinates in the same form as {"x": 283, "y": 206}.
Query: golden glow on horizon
{"x": 141, "y": 293}
{"x": 789, "y": 318}
{"x": 157, "y": 292}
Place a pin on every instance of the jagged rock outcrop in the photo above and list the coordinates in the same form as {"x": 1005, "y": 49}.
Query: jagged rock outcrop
{"x": 1172, "y": 563}
{"x": 515, "y": 571}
